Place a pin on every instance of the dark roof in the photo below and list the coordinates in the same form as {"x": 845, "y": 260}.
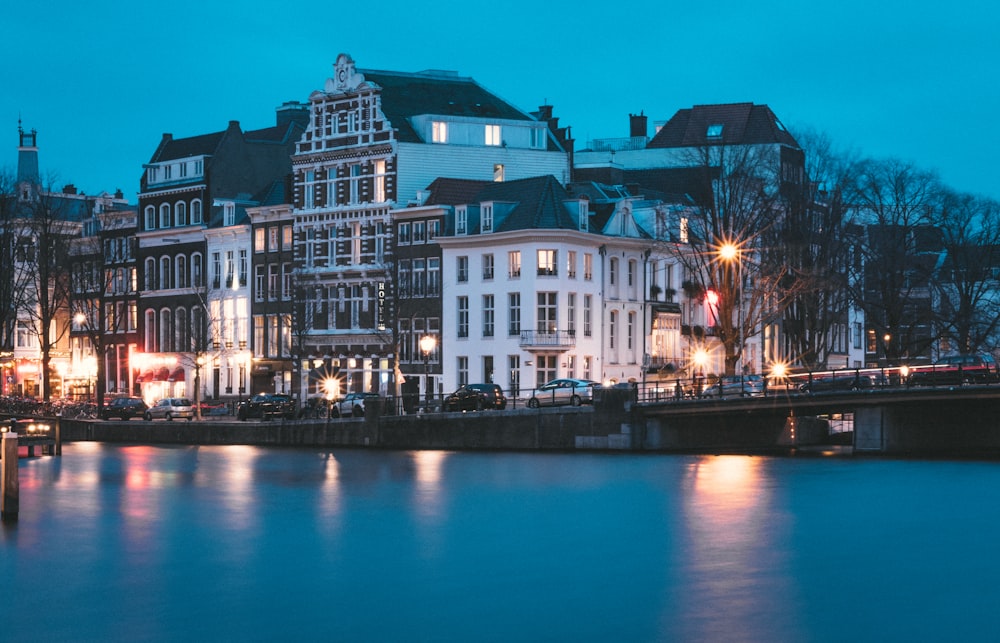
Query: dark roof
{"x": 184, "y": 147}
{"x": 536, "y": 203}
{"x": 443, "y": 93}
{"x": 742, "y": 124}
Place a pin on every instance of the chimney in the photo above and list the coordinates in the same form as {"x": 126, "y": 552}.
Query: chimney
{"x": 544, "y": 112}
{"x": 69, "y": 189}
{"x": 637, "y": 124}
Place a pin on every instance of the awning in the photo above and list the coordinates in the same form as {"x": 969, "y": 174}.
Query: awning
{"x": 161, "y": 374}
{"x": 145, "y": 377}
{"x": 177, "y": 375}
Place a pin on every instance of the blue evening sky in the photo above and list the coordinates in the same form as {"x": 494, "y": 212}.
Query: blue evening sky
{"x": 102, "y": 80}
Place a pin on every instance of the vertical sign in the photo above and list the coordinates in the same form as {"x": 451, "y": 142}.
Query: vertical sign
{"x": 380, "y": 321}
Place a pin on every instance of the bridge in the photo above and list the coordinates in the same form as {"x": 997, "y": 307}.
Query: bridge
{"x": 889, "y": 420}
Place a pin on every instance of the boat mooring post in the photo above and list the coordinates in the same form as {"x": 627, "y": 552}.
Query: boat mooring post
{"x": 8, "y": 479}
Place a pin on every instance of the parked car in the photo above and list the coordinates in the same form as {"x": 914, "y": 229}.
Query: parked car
{"x": 171, "y": 407}
{"x": 847, "y": 381}
{"x": 352, "y": 404}
{"x": 957, "y": 369}
{"x": 563, "y": 391}
{"x": 735, "y": 386}
{"x": 266, "y": 405}
{"x": 476, "y": 397}
{"x": 124, "y": 408}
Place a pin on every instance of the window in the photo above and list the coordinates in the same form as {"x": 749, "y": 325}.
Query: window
{"x": 404, "y": 234}
{"x": 164, "y": 215}
{"x": 546, "y": 313}
{"x": 439, "y": 132}
{"x": 498, "y": 172}
{"x": 286, "y": 237}
{"x": 714, "y": 131}
{"x": 244, "y": 267}
{"x": 354, "y": 184}
{"x": 613, "y": 272}
{"x": 547, "y": 262}
{"x": 486, "y": 219}
{"x": 462, "y": 268}
{"x": 463, "y": 370}
{"x": 272, "y": 282}
{"x": 583, "y": 216}
{"x": 514, "y": 314}
{"x": 379, "y": 181}
{"x": 309, "y": 190}
{"x": 514, "y": 368}
{"x": 272, "y": 239}
{"x": 630, "y": 336}
{"x": 150, "y": 217}
{"x": 488, "y": 315}
{"x": 587, "y": 330}
{"x": 487, "y": 267}
{"x": 514, "y": 264}
{"x": 633, "y": 267}
{"x": 433, "y": 229}
{"x": 229, "y": 214}
{"x": 493, "y": 135}
{"x": 419, "y": 277}
{"x": 588, "y": 266}
{"x": 150, "y": 276}
{"x": 571, "y": 313}
{"x": 536, "y": 138}
{"x": 404, "y": 277}
{"x": 196, "y": 212}
{"x": 612, "y": 332}
{"x": 419, "y": 231}
{"x": 463, "y": 316}
{"x": 545, "y": 371}
{"x": 487, "y": 368}
{"x": 461, "y": 214}
{"x": 258, "y": 283}
{"x": 197, "y": 271}
{"x": 168, "y": 172}
{"x": 571, "y": 264}
{"x": 181, "y": 210}
{"x": 258, "y": 239}
{"x": 433, "y": 277}
{"x": 165, "y": 273}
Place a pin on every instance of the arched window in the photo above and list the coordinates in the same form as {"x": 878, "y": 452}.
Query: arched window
{"x": 150, "y": 276}
{"x": 166, "y": 331}
{"x": 633, "y": 278}
{"x": 180, "y": 263}
{"x": 183, "y": 331}
{"x": 630, "y": 337}
{"x": 196, "y": 212}
{"x": 164, "y": 215}
{"x": 165, "y": 273}
{"x": 613, "y": 277}
{"x": 150, "y": 336}
{"x": 150, "y": 217}
{"x": 181, "y": 212}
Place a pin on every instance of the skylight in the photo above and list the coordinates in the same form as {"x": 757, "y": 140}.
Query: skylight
{"x": 714, "y": 131}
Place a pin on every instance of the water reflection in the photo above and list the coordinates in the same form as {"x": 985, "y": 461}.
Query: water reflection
{"x": 733, "y": 552}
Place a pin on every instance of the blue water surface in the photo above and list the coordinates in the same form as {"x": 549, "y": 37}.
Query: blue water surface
{"x": 234, "y": 543}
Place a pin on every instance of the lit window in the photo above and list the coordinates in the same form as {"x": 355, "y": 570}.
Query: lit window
{"x": 714, "y": 131}
{"x": 493, "y": 135}
{"x": 440, "y": 132}
{"x": 498, "y": 173}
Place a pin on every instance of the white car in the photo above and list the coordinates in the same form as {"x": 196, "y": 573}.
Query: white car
{"x": 169, "y": 408}
{"x": 563, "y": 391}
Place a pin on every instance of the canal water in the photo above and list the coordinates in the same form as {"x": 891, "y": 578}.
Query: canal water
{"x": 232, "y": 543}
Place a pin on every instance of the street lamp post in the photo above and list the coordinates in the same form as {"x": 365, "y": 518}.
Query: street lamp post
{"x": 730, "y": 252}
{"x": 427, "y": 344}
{"x": 199, "y": 361}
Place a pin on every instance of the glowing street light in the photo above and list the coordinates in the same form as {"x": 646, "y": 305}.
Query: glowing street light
{"x": 730, "y": 252}
{"x": 427, "y": 344}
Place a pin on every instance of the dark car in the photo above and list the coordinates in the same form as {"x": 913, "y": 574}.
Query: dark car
{"x": 267, "y": 405}
{"x": 848, "y": 381}
{"x": 124, "y": 408}
{"x": 476, "y": 397}
{"x": 957, "y": 369}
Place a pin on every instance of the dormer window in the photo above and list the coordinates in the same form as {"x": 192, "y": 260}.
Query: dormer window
{"x": 229, "y": 213}
{"x": 461, "y": 216}
{"x": 537, "y": 138}
{"x": 486, "y": 220}
{"x": 439, "y": 132}
{"x": 714, "y": 131}
{"x": 583, "y": 215}
{"x": 493, "y": 135}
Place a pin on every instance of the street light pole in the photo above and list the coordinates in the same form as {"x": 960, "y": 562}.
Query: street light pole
{"x": 427, "y": 344}
{"x": 728, "y": 253}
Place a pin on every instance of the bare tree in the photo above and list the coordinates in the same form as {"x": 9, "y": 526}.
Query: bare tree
{"x": 14, "y": 287}
{"x": 817, "y": 250}
{"x": 898, "y": 250}
{"x": 968, "y": 314}
{"x": 733, "y": 240}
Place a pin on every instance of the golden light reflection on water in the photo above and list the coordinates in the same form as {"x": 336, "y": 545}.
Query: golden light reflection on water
{"x": 237, "y": 486}
{"x": 331, "y": 501}
{"x": 731, "y": 526}
{"x": 427, "y": 492}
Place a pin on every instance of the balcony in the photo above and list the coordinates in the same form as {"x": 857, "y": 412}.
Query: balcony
{"x": 541, "y": 340}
